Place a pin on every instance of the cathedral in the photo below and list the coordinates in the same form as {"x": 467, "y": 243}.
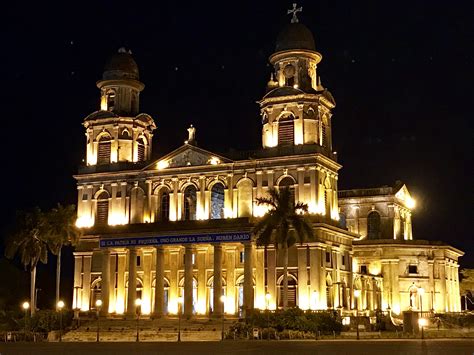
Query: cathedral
{"x": 174, "y": 234}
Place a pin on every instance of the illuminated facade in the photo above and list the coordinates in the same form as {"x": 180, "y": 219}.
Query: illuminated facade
{"x": 156, "y": 221}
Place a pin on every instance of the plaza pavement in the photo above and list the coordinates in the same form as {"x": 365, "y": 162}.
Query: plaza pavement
{"x": 260, "y": 347}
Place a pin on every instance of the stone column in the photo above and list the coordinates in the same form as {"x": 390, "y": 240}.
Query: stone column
{"x": 146, "y": 293}
{"x": 271, "y": 276}
{"x": 174, "y": 280}
{"x": 321, "y": 254}
{"x": 217, "y": 284}
{"x": 77, "y": 295}
{"x": 301, "y": 195}
{"x": 248, "y": 276}
{"x": 174, "y": 201}
{"x": 260, "y": 278}
{"x": 86, "y": 281}
{"x": 201, "y": 280}
{"x": 312, "y": 188}
{"x": 105, "y": 283}
{"x": 303, "y": 297}
{"x": 122, "y": 261}
{"x": 159, "y": 281}
{"x": 315, "y": 275}
{"x": 132, "y": 281}
{"x": 112, "y": 277}
{"x": 188, "y": 281}
{"x": 230, "y": 286}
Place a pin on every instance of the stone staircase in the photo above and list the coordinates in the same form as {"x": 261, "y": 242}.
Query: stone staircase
{"x": 164, "y": 329}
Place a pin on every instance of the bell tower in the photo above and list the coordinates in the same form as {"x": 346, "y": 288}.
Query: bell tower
{"x": 296, "y": 108}
{"x": 118, "y": 132}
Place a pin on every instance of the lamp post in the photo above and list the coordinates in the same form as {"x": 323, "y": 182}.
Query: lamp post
{"x": 180, "y": 302}
{"x": 356, "y": 296}
{"x": 138, "y": 304}
{"x": 98, "y": 305}
{"x": 25, "y": 307}
{"x": 60, "y": 307}
{"x": 421, "y": 321}
{"x": 223, "y": 299}
{"x": 267, "y": 306}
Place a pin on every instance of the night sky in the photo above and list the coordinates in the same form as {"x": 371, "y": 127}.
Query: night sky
{"x": 401, "y": 74}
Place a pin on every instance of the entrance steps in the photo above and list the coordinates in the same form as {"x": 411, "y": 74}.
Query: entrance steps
{"x": 163, "y": 329}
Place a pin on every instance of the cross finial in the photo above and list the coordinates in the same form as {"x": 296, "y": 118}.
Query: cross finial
{"x": 294, "y": 11}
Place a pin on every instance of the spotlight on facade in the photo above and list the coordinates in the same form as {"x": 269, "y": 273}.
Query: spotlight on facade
{"x": 411, "y": 203}
{"x": 163, "y": 164}
{"x": 98, "y": 303}
{"x": 60, "y": 305}
{"x": 223, "y": 299}
{"x": 25, "y": 306}
{"x": 138, "y": 302}
{"x": 356, "y": 293}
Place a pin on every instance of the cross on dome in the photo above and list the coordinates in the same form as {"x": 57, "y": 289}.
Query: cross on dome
{"x": 294, "y": 11}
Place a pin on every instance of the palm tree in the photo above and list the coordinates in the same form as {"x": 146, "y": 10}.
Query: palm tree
{"x": 27, "y": 242}
{"x": 283, "y": 225}
{"x": 61, "y": 230}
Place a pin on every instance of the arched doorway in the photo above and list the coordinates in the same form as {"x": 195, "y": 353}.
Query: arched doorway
{"x": 292, "y": 291}
{"x": 139, "y": 290}
{"x": 195, "y": 292}
{"x": 373, "y": 225}
{"x": 166, "y": 295}
{"x": 210, "y": 285}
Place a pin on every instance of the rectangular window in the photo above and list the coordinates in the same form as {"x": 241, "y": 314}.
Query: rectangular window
{"x": 85, "y": 197}
{"x": 412, "y": 269}
{"x": 139, "y": 261}
{"x": 363, "y": 269}
{"x": 242, "y": 257}
{"x": 328, "y": 257}
{"x": 118, "y": 194}
{"x": 343, "y": 260}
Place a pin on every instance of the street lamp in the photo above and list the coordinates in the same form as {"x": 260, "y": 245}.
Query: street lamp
{"x": 138, "y": 304}
{"x": 223, "y": 299}
{"x": 60, "y": 306}
{"x": 422, "y": 322}
{"x": 26, "y": 307}
{"x": 267, "y": 306}
{"x": 98, "y": 305}
{"x": 357, "y": 295}
{"x": 180, "y": 303}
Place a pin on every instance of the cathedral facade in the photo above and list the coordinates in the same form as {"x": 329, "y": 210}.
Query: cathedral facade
{"x": 177, "y": 230}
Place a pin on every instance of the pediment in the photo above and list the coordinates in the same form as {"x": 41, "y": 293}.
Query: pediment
{"x": 186, "y": 156}
{"x": 404, "y": 196}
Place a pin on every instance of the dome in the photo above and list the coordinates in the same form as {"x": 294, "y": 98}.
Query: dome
{"x": 295, "y": 36}
{"x": 121, "y": 66}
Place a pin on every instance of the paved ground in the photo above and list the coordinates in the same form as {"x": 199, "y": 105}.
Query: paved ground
{"x": 379, "y": 347}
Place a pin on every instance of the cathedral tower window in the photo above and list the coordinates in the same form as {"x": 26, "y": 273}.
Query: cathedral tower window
{"x": 190, "y": 203}
{"x": 102, "y": 209}
{"x": 104, "y": 150}
{"x": 324, "y": 135}
{"x": 217, "y": 201}
{"x": 373, "y": 225}
{"x": 111, "y": 100}
{"x": 286, "y": 130}
{"x": 141, "y": 149}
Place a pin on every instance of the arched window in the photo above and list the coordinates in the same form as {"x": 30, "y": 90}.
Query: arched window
{"x": 111, "y": 100}
{"x": 164, "y": 205}
{"x": 373, "y": 225}
{"x": 141, "y": 144}
{"x": 287, "y": 182}
{"x": 102, "y": 209}
{"x": 217, "y": 201}
{"x": 292, "y": 287}
{"x": 95, "y": 292}
{"x": 286, "y": 130}
{"x": 245, "y": 198}
{"x": 190, "y": 203}
{"x": 103, "y": 154}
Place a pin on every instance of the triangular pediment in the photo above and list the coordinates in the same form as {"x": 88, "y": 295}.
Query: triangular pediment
{"x": 186, "y": 156}
{"x": 403, "y": 195}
